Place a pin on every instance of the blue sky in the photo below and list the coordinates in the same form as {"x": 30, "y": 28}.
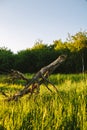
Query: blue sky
{"x": 22, "y": 22}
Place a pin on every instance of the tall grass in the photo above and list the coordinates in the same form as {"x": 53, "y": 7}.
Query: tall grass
{"x": 65, "y": 110}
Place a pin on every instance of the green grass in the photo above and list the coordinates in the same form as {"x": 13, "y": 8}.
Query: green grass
{"x": 66, "y": 110}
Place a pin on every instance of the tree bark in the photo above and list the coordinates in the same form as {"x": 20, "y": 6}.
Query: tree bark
{"x": 40, "y": 77}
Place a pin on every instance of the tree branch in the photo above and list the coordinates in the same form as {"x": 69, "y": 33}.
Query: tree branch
{"x": 39, "y": 78}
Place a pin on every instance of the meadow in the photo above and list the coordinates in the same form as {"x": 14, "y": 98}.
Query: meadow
{"x": 65, "y": 110}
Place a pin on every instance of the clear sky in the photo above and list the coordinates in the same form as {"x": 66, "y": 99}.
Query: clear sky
{"x": 22, "y": 22}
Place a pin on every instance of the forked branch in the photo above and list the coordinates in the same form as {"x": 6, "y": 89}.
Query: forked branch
{"x": 41, "y": 77}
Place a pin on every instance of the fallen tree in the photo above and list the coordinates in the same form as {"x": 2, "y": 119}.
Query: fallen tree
{"x": 33, "y": 84}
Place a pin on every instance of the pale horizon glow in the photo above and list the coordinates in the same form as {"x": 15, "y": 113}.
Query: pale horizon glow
{"x": 22, "y": 22}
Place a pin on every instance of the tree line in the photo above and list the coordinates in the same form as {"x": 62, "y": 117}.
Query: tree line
{"x": 41, "y": 54}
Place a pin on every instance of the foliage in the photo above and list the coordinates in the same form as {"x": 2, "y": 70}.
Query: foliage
{"x": 79, "y": 42}
{"x": 31, "y": 60}
{"x": 46, "y": 111}
{"x": 6, "y": 60}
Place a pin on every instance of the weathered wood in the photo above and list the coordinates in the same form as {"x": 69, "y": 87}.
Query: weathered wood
{"x": 17, "y": 75}
{"x": 40, "y": 77}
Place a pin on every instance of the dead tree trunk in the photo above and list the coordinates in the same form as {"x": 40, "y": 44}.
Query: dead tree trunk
{"x": 40, "y": 77}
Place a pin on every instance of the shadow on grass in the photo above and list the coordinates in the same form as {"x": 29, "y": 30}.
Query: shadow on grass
{"x": 8, "y": 89}
{"x": 2, "y": 128}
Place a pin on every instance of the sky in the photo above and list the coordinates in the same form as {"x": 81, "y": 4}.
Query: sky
{"x": 23, "y": 22}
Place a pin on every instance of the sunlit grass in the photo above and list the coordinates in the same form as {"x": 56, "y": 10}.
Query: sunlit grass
{"x": 47, "y": 111}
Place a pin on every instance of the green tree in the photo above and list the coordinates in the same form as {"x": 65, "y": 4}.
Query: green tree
{"x": 79, "y": 44}
{"x": 25, "y": 61}
{"x": 6, "y": 60}
{"x": 39, "y": 45}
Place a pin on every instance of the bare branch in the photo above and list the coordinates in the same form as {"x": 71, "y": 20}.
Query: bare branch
{"x": 18, "y": 75}
{"x": 39, "y": 78}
